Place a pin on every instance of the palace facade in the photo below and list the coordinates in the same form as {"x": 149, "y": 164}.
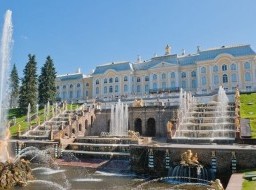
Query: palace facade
{"x": 201, "y": 73}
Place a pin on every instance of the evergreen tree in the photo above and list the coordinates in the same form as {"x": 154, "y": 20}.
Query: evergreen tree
{"x": 28, "y": 89}
{"x": 47, "y": 89}
{"x": 14, "y": 87}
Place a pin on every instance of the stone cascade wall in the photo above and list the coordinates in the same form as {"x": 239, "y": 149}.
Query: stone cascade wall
{"x": 139, "y": 159}
{"x": 160, "y": 114}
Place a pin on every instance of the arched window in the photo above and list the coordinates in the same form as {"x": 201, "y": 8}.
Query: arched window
{"x": 233, "y": 66}
{"x": 203, "y": 70}
{"x": 138, "y": 79}
{"x": 203, "y": 80}
{"x": 183, "y": 75}
{"x": 78, "y": 85}
{"x": 116, "y": 88}
{"x": 105, "y": 81}
{"x": 64, "y": 87}
{"x": 193, "y": 74}
{"x": 163, "y": 76}
{"x": 154, "y": 77}
{"x": 125, "y": 88}
{"x": 138, "y": 88}
{"x": 225, "y": 78}
{"x": 247, "y": 65}
{"x": 146, "y": 78}
{"x": 163, "y": 85}
{"x": 116, "y": 79}
{"x": 97, "y": 90}
{"x": 173, "y": 84}
{"x": 105, "y": 90}
{"x": 71, "y": 86}
{"x": 110, "y": 80}
{"x": 215, "y": 68}
{"x": 173, "y": 75}
{"x": 216, "y": 79}
{"x": 97, "y": 81}
{"x": 146, "y": 88}
{"x": 247, "y": 76}
{"x": 87, "y": 84}
{"x": 224, "y": 67}
{"x": 125, "y": 78}
{"x": 183, "y": 84}
{"x": 233, "y": 78}
{"x": 110, "y": 89}
{"x": 154, "y": 86}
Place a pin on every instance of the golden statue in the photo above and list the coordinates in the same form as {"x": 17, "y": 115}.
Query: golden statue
{"x": 187, "y": 158}
{"x": 217, "y": 185}
{"x": 133, "y": 134}
{"x": 169, "y": 129}
{"x": 138, "y": 103}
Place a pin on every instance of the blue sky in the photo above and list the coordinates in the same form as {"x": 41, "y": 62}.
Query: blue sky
{"x": 87, "y": 33}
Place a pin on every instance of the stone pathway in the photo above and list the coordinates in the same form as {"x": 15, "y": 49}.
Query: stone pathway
{"x": 235, "y": 182}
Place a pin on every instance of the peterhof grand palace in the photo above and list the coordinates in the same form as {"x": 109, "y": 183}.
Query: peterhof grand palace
{"x": 201, "y": 73}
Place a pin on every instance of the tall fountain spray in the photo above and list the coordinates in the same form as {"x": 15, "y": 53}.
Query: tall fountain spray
{"x": 5, "y": 56}
{"x": 119, "y": 119}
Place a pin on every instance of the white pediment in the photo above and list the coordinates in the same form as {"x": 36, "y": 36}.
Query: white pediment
{"x": 163, "y": 64}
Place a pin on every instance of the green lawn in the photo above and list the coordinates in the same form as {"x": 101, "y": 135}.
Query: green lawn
{"x": 248, "y": 110}
{"x": 249, "y": 185}
{"x": 21, "y": 118}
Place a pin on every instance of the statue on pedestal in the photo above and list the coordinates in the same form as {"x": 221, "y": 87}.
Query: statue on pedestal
{"x": 187, "y": 158}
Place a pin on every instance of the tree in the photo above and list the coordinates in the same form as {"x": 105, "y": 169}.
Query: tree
{"x": 28, "y": 89}
{"x": 47, "y": 89}
{"x": 14, "y": 87}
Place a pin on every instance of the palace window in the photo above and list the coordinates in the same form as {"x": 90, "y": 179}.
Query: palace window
{"x": 193, "y": 74}
{"x": 97, "y": 81}
{"x": 97, "y": 90}
{"x": 224, "y": 67}
{"x": 110, "y": 89}
{"x": 194, "y": 83}
{"x": 173, "y": 84}
{"x": 71, "y": 86}
{"x": 233, "y": 78}
{"x": 215, "y": 68}
{"x": 203, "y": 80}
{"x": 163, "y": 85}
{"x": 138, "y": 88}
{"x": 203, "y": 70}
{"x": 146, "y": 88}
{"x": 105, "y": 81}
{"x": 247, "y": 65}
{"x": 125, "y": 88}
{"x": 163, "y": 76}
{"x": 183, "y": 75}
{"x": 146, "y": 78}
{"x": 87, "y": 84}
{"x": 173, "y": 75}
{"x": 78, "y": 85}
{"x": 183, "y": 84}
{"x": 125, "y": 78}
{"x": 225, "y": 78}
{"x": 154, "y": 77}
{"x": 105, "y": 90}
{"x": 78, "y": 93}
{"x": 138, "y": 79}
{"x": 233, "y": 67}
{"x": 110, "y": 80}
{"x": 116, "y": 88}
{"x": 154, "y": 86}
{"x": 216, "y": 79}
{"x": 116, "y": 79}
{"x": 247, "y": 76}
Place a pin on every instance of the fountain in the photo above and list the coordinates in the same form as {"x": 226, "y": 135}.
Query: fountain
{"x": 12, "y": 172}
{"x": 119, "y": 119}
{"x": 211, "y": 122}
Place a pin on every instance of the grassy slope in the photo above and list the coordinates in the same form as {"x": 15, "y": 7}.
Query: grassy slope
{"x": 249, "y": 185}
{"x": 248, "y": 110}
{"x": 21, "y": 118}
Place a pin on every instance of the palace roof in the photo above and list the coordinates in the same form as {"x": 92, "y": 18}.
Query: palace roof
{"x": 116, "y": 66}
